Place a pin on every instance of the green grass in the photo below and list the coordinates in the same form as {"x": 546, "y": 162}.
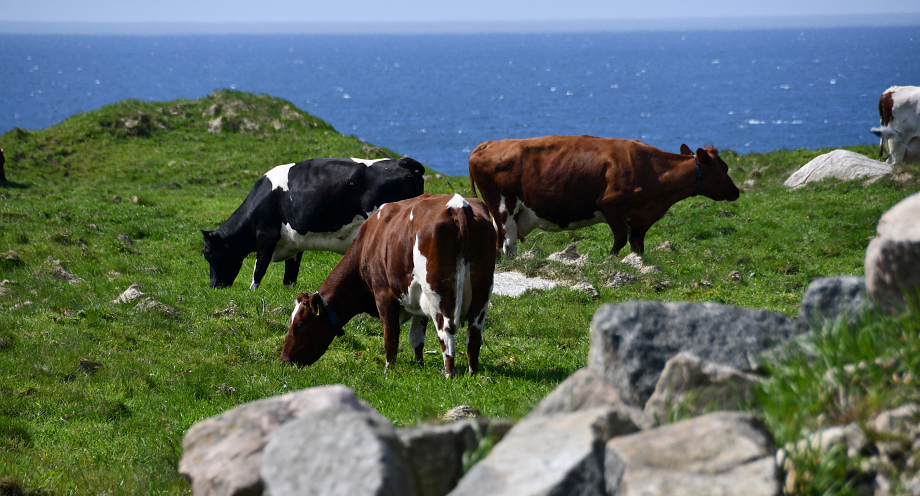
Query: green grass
{"x": 95, "y": 397}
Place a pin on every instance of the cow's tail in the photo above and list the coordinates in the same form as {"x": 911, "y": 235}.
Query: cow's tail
{"x": 463, "y": 217}
{"x": 473, "y": 186}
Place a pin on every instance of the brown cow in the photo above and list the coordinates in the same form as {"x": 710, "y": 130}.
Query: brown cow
{"x": 558, "y": 183}
{"x": 429, "y": 257}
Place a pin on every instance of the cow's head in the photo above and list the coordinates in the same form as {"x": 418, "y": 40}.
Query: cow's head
{"x": 225, "y": 262}
{"x": 410, "y": 179}
{"x": 716, "y": 183}
{"x": 312, "y": 328}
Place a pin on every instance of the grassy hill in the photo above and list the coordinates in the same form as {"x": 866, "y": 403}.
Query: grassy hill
{"x": 95, "y": 396}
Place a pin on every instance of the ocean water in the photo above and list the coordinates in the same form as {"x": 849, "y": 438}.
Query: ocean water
{"x": 435, "y": 97}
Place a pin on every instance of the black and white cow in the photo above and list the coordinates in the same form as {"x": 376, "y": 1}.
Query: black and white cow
{"x": 318, "y": 204}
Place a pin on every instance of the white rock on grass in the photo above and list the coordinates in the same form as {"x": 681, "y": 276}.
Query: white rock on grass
{"x": 840, "y": 164}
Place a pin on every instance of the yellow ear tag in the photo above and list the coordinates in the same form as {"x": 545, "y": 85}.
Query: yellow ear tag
{"x": 317, "y": 311}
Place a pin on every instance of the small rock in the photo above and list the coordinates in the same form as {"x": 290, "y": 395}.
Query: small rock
{"x": 132, "y": 293}
{"x": 150, "y": 304}
{"x": 59, "y": 272}
{"x": 20, "y": 305}
{"x": 633, "y": 260}
{"x": 735, "y": 276}
{"x": 649, "y": 269}
{"x": 619, "y": 279}
{"x": 665, "y": 246}
{"x": 588, "y": 289}
{"x": 11, "y": 259}
{"x": 459, "y": 413}
{"x": 569, "y": 256}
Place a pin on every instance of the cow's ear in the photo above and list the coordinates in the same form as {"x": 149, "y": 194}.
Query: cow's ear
{"x": 703, "y": 156}
{"x": 316, "y": 304}
{"x": 685, "y": 150}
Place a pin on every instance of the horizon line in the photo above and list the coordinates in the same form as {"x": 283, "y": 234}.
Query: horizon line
{"x": 460, "y": 27}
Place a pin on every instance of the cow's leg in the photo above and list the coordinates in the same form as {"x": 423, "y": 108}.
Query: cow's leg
{"x": 637, "y": 238}
{"x": 264, "y": 249}
{"x": 417, "y": 336}
{"x": 447, "y": 338}
{"x": 291, "y": 269}
{"x": 620, "y": 229}
{"x": 507, "y": 217}
{"x": 388, "y": 310}
{"x": 474, "y": 340}
{"x": 912, "y": 151}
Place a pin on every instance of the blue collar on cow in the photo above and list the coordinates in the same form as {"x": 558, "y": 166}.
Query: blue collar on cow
{"x": 699, "y": 177}
{"x": 333, "y": 317}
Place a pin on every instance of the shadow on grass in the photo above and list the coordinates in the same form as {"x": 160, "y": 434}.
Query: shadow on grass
{"x": 13, "y": 185}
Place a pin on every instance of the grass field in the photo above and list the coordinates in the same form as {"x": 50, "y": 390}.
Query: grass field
{"x": 96, "y": 396}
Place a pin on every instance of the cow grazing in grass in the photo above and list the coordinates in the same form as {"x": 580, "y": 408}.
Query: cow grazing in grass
{"x": 899, "y": 113}
{"x": 429, "y": 257}
{"x": 560, "y": 183}
{"x": 318, "y": 204}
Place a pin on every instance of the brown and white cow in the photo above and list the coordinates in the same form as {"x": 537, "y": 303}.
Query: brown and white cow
{"x": 558, "y": 183}
{"x": 899, "y": 113}
{"x": 428, "y": 257}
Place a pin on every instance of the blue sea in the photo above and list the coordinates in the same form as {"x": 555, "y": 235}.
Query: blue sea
{"x": 435, "y": 97}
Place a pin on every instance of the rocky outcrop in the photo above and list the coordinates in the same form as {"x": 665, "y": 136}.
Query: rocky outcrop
{"x": 893, "y": 258}
{"x": 435, "y": 452}
{"x": 222, "y": 455}
{"x": 828, "y": 298}
{"x": 337, "y": 453}
{"x": 690, "y": 386}
{"x": 723, "y": 453}
{"x": 840, "y": 164}
{"x": 631, "y": 342}
{"x": 552, "y": 454}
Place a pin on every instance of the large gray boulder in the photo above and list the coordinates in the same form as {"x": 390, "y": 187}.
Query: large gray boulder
{"x": 222, "y": 455}
{"x": 546, "y": 455}
{"x": 584, "y": 390}
{"x": 840, "y": 164}
{"x": 691, "y": 386}
{"x": 723, "y": 453}
{"x": 435, "y": 452}
{"x": 829, "y": 298}
{"x": 893, "y": 258}
{"x": 337, "y": 453}
{"x": 631, "y": 342}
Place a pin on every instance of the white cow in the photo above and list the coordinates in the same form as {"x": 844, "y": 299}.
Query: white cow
{"x": 899, "y": 112}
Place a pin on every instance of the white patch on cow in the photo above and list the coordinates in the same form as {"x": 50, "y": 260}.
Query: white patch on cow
{"x": 420, "y": 298}
{"x": 294, "y": 313}
{"x": 417, "y": 330}
{"x": 380, "y": 210}
{"x": 902, "y": 135}
{"x": 292, "y": 242}
{"x": 368, "y": 162}
{"x": 411, "y": 215}
{"x": 523, "y": 220}
{"x": 279, "y": 176}
{"x": 457, "y": 201}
